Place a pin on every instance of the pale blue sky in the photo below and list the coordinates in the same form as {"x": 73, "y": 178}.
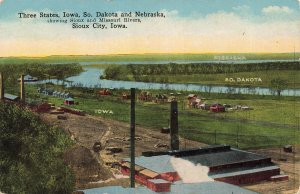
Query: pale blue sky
{"x": 191, "y": 26}
{"x": 9, "y": 8}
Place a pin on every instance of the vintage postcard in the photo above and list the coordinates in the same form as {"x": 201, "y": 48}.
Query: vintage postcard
{"x": 149, "y": 96}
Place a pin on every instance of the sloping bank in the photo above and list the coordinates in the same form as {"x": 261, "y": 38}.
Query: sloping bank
{"x": 31, "y": 154}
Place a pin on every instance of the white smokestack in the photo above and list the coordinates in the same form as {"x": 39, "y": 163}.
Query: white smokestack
{"x": 189, "y": 172}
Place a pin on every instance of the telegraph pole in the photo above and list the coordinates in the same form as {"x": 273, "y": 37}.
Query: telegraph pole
{"x": 174, "y": 126}
{"x": 22, "y": 89}
{"x": 132, "y": 138}
{"x": 1, "y": 87}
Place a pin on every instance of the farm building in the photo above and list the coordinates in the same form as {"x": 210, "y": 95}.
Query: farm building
{"x": 11, "y": 97}
{"x": 204, "y": 106}
{"x": 57, "y": 94}
{"x": 191, "y": 96}
{"x": 105, "y": 92}
{"x": 176, "y": 188}
{"x": 194, "y": 101}
{"x": 217, "y": 108}
{"x": 29, "y": 78}
{"x": 172, "y": 98}
{"x": 61, "y": 94}
{"x": 126, "y": 96}
{"x": 145, "y": 96}
{"x": 69, "y": 101}
{"x": 45, "y": 91}
{"x": 67, "y": 95}
{"x": 161, "y": 98}
{"x": 225, "y": 164}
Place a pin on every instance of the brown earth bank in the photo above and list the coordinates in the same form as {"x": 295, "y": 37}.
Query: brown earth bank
{"x": 95, "y": 167}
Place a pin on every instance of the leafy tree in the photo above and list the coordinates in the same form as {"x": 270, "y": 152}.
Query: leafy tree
{"x": 277, "y": 85}
{"x": 31, "y": 154}
{"x": 12, "y": 72}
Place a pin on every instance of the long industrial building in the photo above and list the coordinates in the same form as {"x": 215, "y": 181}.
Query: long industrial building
{"x": 225, "y": 164}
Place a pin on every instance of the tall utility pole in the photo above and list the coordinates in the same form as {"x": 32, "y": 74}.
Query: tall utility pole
{"x": 132, "y": 138}
{"x": 1, "y": 87}
{"x": 174, "y": 126}
{"x": 22, "y": 89}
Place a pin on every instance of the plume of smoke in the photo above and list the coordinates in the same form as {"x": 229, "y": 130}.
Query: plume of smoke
{"x": 189, "y": 172}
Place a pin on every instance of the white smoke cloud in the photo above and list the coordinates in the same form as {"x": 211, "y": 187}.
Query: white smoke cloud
{"x": 277, "y": 10}
{"x": 190, "y": 173}
{"x": 1, "y": 1}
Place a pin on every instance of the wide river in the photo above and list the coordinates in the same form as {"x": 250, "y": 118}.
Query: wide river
{"x": 91, "y": 78}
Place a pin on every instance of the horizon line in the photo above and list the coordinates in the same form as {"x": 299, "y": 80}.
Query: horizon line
{"x": 122, "y": 54}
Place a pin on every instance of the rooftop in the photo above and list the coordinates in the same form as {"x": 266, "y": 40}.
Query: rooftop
{"x": 159, "y": 164}
{"x": 221, "y": 158}
{"x": 243, "y": 171}
{"x": 179, "y": 188}
{"x": 29, "y": 78}
{"x": 211, "y": 156}
{"x": 10, "y": 96}
{"x": 149, "y": 173}
{"x": 158, "y": 181}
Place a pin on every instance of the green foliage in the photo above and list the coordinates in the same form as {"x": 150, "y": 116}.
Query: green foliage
{"x": 272, "y": 122}
{"x": 199, "y": 68}
{"x": 278, "y": 84}
{"x": 42, "y": 71}
{"x": 112, "y": 72}
{"x": 31, "y": 154}
{"x": 200, "y": 73}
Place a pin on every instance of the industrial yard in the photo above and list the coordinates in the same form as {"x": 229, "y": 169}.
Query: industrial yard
{"x": 115, "y": 134}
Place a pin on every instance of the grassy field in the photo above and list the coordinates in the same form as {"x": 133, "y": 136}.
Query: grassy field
{"x": 142, "y": 57}
{"x": 271, "y": 123}
{"x": 219, "y": 79}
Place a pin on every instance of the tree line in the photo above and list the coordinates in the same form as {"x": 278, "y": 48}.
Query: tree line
{"x": 214, "y": 68}
{"x": 12, "y": 72}
{"x": 136, "y": 70}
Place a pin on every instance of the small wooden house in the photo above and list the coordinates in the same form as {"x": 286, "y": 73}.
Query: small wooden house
{"x": 217, "y": 108}
{"x": 105, "y": 92}
{"x": 126, "y": 96}
{"x": 29, "y": 78}
{"x": 145, "y": 96}
{"x": 161, "y": 98}
{"x": 69, "y": 101}
{"x": 11, "y": 97}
